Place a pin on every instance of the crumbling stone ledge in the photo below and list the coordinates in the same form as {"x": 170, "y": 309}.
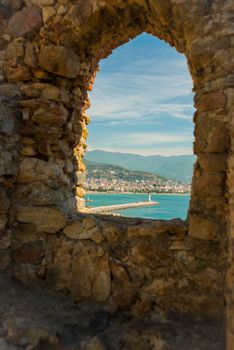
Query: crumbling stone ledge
{"x": 124, "y": 263}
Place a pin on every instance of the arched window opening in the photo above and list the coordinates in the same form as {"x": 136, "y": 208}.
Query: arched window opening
{"x": 141, "y": 132}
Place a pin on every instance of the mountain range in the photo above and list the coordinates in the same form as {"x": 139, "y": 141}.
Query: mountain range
{"x": 172, "y": 167}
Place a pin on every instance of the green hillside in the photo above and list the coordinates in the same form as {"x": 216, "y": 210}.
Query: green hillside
{"x": 98, "y": 170}
{"x": 175, "y": 167}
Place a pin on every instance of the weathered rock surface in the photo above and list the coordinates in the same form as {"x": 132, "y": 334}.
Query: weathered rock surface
{"x": 19, "y": 332}
{"x": 26, "y": 21}
{"x": 56, "y": 115}
{"x": 77, "y": 231}
{"x": 90, "y": 274}
{"x": 47, "y": 220}
{"x": 59, "y": 60}
{"x": 35, "y": 319}
{"x": 202, "y": 228}
{"x": 49, "y": 55}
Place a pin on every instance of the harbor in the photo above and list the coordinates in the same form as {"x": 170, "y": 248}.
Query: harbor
{"x": 117, "y": 207}
{"x": 168, "y": 207}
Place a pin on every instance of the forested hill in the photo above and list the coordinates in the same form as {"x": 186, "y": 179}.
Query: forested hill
{"x": 174, "y": 167}
{"x": 98, "y": 170}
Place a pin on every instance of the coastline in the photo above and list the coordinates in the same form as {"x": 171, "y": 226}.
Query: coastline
{"x": 145, "y": 193}
{"x": 170, "y": 205}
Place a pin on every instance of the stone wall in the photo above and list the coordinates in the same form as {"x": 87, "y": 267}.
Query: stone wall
{"x": 49, "y": 55}
{"x": 130, "y": 264}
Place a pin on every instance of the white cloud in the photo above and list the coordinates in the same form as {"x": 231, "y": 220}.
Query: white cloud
{"x": 146, "y": 143}
{"x": 144, "y": 93}
{"x": 121, "y": 96}
{"x": 148, "y": 138}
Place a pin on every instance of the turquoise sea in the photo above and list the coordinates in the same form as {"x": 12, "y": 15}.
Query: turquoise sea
{"x": 170, "y": 206}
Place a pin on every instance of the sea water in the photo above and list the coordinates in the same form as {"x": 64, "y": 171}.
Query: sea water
{"x": 169, "y": 207}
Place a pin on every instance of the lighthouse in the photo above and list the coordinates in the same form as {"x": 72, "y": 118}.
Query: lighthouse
{"x": 149, "y": 197}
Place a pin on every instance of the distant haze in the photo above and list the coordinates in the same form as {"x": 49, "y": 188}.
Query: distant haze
{"x": 173, "y": 167}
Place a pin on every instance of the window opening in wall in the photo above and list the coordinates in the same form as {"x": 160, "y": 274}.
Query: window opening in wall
{"x": 141, "y": 134}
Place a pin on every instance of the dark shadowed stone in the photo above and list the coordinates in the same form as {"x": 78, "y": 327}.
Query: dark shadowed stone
{"x": 16, "y": 5}
{"x": 10, "y": 91}
{"x": 5, "y": 10}
{"x": 99, "y": 321}
{"x": 3, "y": 44}
{"x": 4, "y": 259}
{"x": 7, "y": 125}
{"x": 59, "y": 60}
{"x": 95, "y": 344}
{"x": 26, "y": 21}
{"x": 23, "y": 331}
{"x": 31, "y": 253}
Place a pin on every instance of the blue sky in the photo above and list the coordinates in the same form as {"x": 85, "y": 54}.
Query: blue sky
{"x": 142, "y": 101}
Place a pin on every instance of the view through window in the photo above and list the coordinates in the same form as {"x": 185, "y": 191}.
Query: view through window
{"x": 141, "y": 132}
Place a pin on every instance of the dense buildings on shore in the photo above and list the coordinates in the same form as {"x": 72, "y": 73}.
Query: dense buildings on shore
{"x": 171, "y": 167}
{"x": 105, "y": 185}
{"x": 106, "y": 178}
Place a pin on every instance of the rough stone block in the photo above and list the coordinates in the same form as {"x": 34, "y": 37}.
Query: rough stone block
{"x": 74, "y": 230}
{"x": 209, "y": 185}
{"x": 90, "y": 222}
{"x": 59, "y": 60}
{"x": 159, "y": 286}
{"x": 211, "y": 101}
{"x": 47, "y": 13}
{"x": 26, "y": 21}
{"x": 210, "y": 279}
{"x": 201, "y": 228}
{"x": 212, "y": 135}
{"x": 46, "y": 220}
{"x": 91, "y": 274}
{"x": 111, "y": 232}
{"x": 156, "y": 228}
{"x": 42, "y": 3}
{"x": 56, "y": 115}
{"x": 30, "y": 253}
{"x": 78, "y": 231}
{"x": 15, "y": 50}
{"x": 18, "y": 73}
{"x": 45, "y": 197}
{"x": 150, "y": 253}
{"x": 30, "y": 56}
{"x": 213, "y": 162}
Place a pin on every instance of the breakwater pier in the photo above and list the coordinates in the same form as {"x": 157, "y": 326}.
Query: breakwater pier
{"x": 113, "y": 208}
